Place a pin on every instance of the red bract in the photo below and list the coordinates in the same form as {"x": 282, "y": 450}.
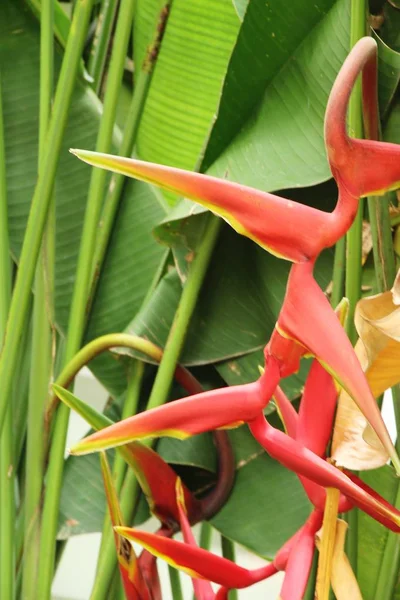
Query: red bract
{"x": 299, "y": 459}
{"x": 221, "y": 408}
{"x": 360, "y": 167}
{"x": 134, "y": 584}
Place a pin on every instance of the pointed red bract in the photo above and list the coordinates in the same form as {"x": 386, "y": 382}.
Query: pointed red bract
{"x": 361, "y": 167}
{"x": 158, "y": 482}
{"x": 134, "y": 584}
{"x": 285, "y": 228}
{"x": 300, "y": 558}
{"x": 299, "y": 459}
{"x": 216, "y": 409}
{"x": 196, "y": 561}
{"x": 317, "y": 410}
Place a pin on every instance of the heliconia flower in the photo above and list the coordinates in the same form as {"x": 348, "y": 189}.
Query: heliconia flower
{"x": 155, "y": 476}
{"x": 361, "y": 167}
{"x": 302, "y": 461}
{"x": 134, "y": 584}
{"x": 216, "y": 409}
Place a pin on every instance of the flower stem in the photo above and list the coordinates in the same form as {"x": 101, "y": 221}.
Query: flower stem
{"x": 101, "y": 42}
{"x": 131, "y": 129}
{"x": 131, "y": 403}
{"x": 228, "y": 551}
{"x": 175, "y": 582}
{"x": 177, "y": 334}
{"x": 338, "y": 272}
{"x": 390, "y": 564}
{"x": 354, "y": 236}
{"x": 7, "y": 461}
{"x": 43, "y": 312}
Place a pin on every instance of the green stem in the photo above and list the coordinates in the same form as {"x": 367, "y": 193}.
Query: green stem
{"x": 354, "y": 236}
{"x": 115, "y": 188}
{"x": 162, "y": 383}
{"x": 41, "y": 362}
{"x": 128, "y": 143}
{"x": 101, "y": 42}
{"x": 390, "y": 565}
{"x": 78, "y": 312}
{"x": 382, "y": 243}
{"x": 228, "y": 551}
{"x": 175, "y": 582}
{"x": 338, "y": 272}
{"x": 177, "y": 334}
{"x": 206, "y": 532}
{"x": 37, "y": 216}
{"x": 130, "y": 408}
{"x": 310, "y": 590}
{"x": 7, "y": 462}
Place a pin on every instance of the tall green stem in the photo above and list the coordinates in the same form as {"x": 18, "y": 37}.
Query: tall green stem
{"x": 339, "y": 265}
{"x": 80, "y": 296}
{"x": 101, "y": 42}
{"x": 228, "y": 551}
{"x": 175, "y": 583}
{"x": 131, "y": 404}
{"x": 162, "y": 383}
{"x": 37, "y": 216}
{"x": 177, "y": 334}
{"x": 41, "y": 362}
{"x": 115, "y": 188}
{"x": 131, "y": 128}
{"x": 354, "y": 236}
{"x": 7, "y": 462}
{"x": 389, "y": 567}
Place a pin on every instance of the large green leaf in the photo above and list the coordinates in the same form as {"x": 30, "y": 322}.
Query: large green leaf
{"x": 269, "y": 37}
{"x": 281, "y": 145}
{"x": 187, "y": 80}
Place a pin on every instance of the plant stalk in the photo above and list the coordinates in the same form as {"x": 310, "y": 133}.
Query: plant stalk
{"x": 339, "y": 266}
{"x": 101, "y": 43}
{"x": 78, "y": 313}
{"x": 43, "y": 316}
{"x": 354, "y": 236}
{"x": 7, "y": 459}
{"x": 175, "y": 583}
{"x": 228, "y": 551}
{"x": 131, "y": 404}
{"x": 389, "y": 568}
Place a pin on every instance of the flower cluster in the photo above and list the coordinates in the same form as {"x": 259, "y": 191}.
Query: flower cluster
{"x": 297, "y": 233}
